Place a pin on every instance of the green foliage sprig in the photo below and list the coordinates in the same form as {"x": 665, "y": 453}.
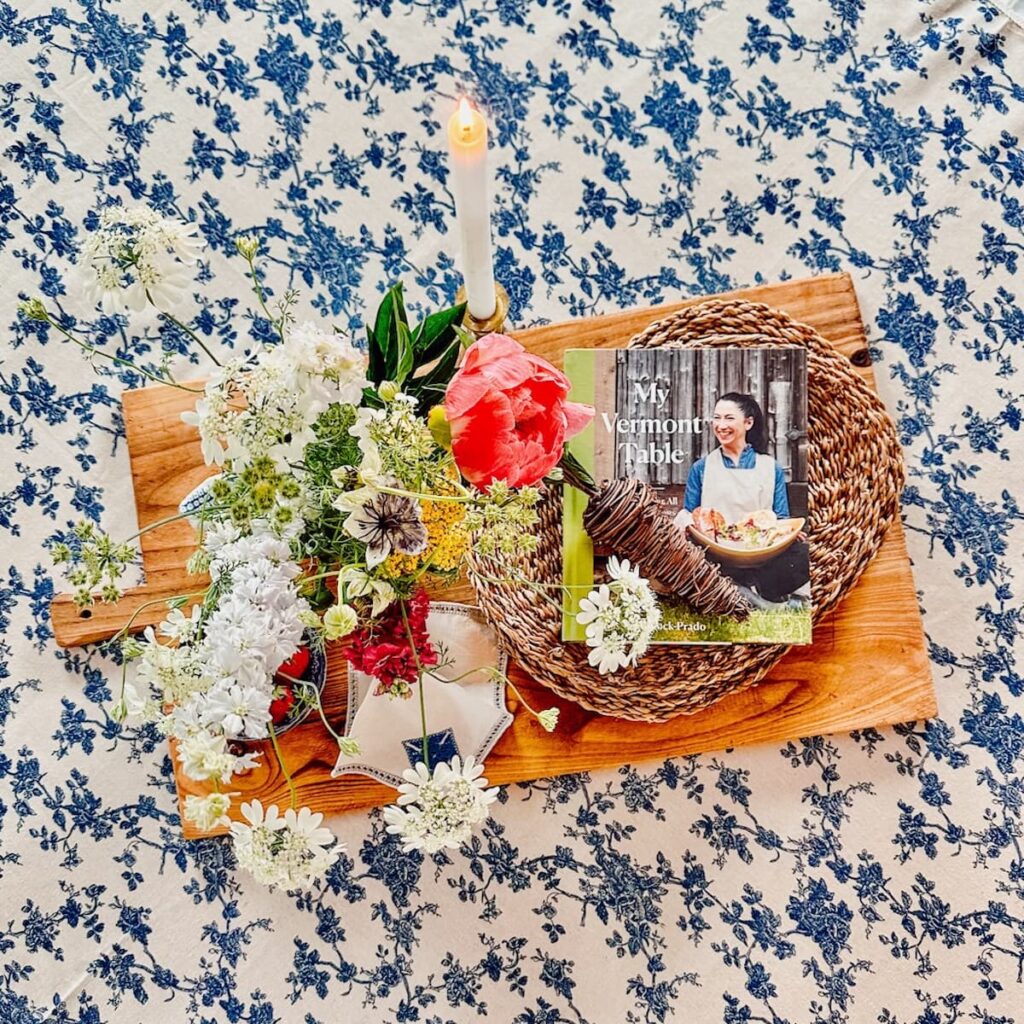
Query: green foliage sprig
{"x": 420, "y": 360}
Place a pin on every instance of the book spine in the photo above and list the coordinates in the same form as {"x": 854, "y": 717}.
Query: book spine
{"x": 578, "y": 553}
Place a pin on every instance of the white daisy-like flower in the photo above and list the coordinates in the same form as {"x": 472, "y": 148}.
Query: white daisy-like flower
{"x": 620, "y": 618}
{"x": 439, "y": 809}
{"x": 288, "y": 851}
{"x": 208, "y": 812}
{"x": 237, "y": 710}
{"x": 135, "y": 256}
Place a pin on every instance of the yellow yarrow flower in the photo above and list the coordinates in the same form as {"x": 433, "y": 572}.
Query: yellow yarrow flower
{"x": 447, "y": 541}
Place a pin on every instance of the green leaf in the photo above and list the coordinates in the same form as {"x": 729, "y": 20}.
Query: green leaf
{"x": 385, "y": 332}
{"x": 428, "y": 388}
{"x": 371, "y": 399}
{"x": 435, "y": 334}
{"x": 466, "y": 338}
{"x": 404, "y": 361}
{"x": 375, "y": 363}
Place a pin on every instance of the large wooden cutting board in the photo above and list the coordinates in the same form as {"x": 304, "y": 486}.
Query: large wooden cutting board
{"x": 868, "y": 664}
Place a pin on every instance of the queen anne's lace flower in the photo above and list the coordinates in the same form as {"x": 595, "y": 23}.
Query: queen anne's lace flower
{"x": 267, "y": 407}
{"x": 334, "y": 366}
{"x": 136, "y": 255}
{"x": 286, "y": 851}
{"x": 206, "y": 756}
{"x": 439, "y": 809}
{"x": 620, "y": 618}
{"x": 173, "y": 674}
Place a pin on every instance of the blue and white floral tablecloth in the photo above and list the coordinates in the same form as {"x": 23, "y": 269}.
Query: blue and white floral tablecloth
{"x": 644, "y": 151}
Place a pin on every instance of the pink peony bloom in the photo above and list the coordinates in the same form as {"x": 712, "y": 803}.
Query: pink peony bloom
{"x": 508, "y": 414}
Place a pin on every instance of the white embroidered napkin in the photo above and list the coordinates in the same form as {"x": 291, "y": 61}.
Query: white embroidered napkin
{"x": 464, "y": 717}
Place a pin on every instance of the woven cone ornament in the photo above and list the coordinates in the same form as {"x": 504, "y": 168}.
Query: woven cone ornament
{"x": 626, "y": 517}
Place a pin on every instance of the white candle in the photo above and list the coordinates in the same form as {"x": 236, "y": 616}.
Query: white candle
{"x": 467, "y": 146}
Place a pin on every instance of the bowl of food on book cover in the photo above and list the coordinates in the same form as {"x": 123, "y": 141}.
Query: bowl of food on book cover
{"x": 751, "y": 542}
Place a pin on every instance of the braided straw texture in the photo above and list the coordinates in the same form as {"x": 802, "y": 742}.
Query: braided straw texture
{"x": 856, "y": 476}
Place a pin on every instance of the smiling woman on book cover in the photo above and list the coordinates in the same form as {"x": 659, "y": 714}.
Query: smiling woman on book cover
{"x": 739, "y": 428}
{"x": 739, "y": 480}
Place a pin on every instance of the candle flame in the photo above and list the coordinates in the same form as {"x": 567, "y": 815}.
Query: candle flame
{"x": 465, "y": 116}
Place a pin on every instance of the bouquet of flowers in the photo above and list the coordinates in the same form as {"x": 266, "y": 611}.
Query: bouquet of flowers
{"x": 350, "y": 476}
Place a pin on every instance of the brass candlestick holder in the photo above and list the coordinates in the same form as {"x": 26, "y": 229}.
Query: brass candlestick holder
{"x": 495, "y": 322}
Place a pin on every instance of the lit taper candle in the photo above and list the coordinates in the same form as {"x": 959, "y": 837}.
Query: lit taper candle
{"x": 467, "y": 145}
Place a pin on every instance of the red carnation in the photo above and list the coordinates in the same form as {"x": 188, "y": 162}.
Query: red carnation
{"x": 382, "y": 648}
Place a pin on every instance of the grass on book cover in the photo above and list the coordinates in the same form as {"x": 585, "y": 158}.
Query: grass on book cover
{"x": 721, "y": 434}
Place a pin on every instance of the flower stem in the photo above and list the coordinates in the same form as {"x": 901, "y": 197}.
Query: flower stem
{"x": 192, "y": 334}
{"x": 418, "y": 496}
{"x": 420, "y": 674}
{"x": 537, "y": 587}
{"x": 170, "y": 519}
{"x": 306, "y": 684}
{"x": 258, "y": 288}
{"x": 126, "y": 628}
{"x": 293, "y": 795}
{"x": 93, "y": 351}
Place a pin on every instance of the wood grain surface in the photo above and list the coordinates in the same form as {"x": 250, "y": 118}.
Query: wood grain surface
{"x": 868, "y": 664}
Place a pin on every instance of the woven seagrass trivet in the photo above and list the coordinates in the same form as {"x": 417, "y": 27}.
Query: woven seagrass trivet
{"x": 856, "y": 476}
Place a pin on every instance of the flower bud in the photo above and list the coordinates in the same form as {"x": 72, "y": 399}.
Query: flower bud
{"x": 247, "y": 246}
{"x": 339, "y": 621}
{"x": 33, "y": 309}
{"x": 440, "y": 429}
{"x": 388, "y": 390}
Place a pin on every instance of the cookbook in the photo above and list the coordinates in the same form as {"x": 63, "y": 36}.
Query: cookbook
{"x": 721, "y": 435}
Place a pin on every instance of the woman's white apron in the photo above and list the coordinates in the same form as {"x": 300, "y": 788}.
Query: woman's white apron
{"x": 737, "y": 492}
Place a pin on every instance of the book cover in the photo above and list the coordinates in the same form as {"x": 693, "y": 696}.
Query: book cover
{"x": 721, "y": 435}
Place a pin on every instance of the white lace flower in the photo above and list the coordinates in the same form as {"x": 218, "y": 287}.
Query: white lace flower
{"x": 266, "y": 405}
{"x": 204, "y": 756}
{"x": 548, "y": 719}
{"x": 180, "y": 627}
{"x": 330, "y": 360}
{"x": 208, "y": 812}
{"x": 174, "y": 674}
{"x": 137, "y": 255}
{"x": 620, "y": 618}
{"x": 439, "y": 809}
{"x": 138, "y": 706}
{"x": 287, "y": 851}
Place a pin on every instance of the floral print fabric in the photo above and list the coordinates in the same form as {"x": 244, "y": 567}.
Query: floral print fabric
{"x": 642, "y": 152}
